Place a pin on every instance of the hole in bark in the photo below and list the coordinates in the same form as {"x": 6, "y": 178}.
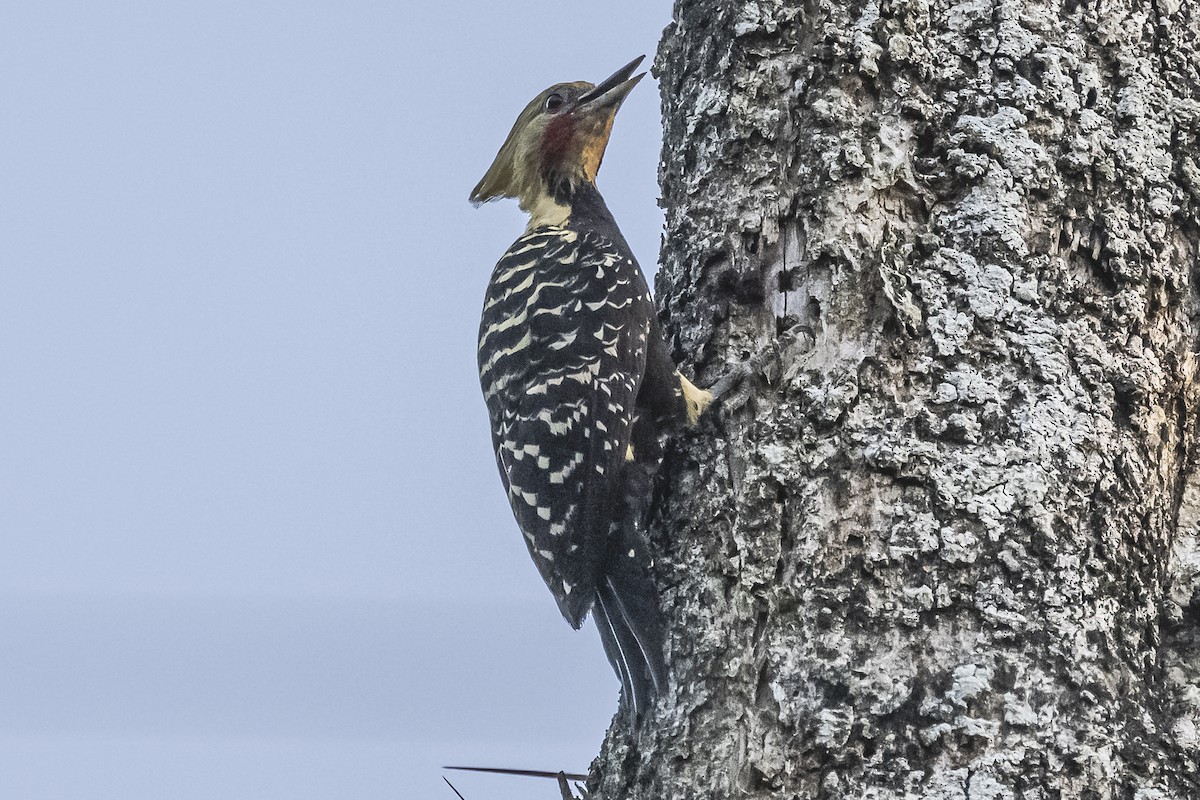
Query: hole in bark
{"x": 786, "y": 280}
{"x": 1096, "y": 266}
{"x": 926, "y": 143}
{"x": 1031, "y": 69}
{"x": 750, "y": 242}
{"x": 912, "y": 111}
{"x": 835, "y": 693}
{"x": 1092, "y": 96}
{"x": 745, "y": 290}
{"x": 812, "y": 311}
{"x": 714, "y": 259}
{"x": 870, "y": 375}
{"x": 1126, "y": 395}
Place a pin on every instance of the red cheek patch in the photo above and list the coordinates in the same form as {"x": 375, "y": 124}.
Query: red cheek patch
{"x": 557, "y": 139}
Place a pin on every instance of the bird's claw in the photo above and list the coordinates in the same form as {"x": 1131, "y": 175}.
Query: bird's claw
{"x": 726, "y": 388}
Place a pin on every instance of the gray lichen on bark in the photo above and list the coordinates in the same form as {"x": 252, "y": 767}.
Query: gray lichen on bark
{"x": 948, "y": 543}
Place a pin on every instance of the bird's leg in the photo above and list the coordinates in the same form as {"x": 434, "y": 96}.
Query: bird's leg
{"x": 730, "y": 381}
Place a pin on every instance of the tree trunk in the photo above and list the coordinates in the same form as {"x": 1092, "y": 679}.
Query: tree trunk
{"x": 944, "y": 544}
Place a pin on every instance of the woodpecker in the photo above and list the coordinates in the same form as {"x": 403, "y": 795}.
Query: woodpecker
{"x": 578, "y": 379}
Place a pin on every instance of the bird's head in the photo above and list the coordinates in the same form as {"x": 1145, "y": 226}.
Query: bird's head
{"x": 557, "y": 142}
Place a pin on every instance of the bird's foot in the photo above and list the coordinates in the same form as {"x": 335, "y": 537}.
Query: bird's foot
{"x": 731, "y": 389}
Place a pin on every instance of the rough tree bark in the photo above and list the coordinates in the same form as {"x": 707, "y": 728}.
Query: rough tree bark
{"x": 945, "y": 545}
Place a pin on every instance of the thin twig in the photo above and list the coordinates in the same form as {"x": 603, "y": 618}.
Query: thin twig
{"x": 565, "y": 788}
{"x": 528, "y": 773}
{"x": 451, "y": 785}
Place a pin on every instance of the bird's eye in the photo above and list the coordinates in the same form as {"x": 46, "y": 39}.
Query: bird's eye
{"x": 554, "y": 102}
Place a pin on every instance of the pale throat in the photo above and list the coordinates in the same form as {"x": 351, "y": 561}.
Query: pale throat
{"x": 543, "y": 209}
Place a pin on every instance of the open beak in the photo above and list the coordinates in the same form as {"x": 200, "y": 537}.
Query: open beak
{"x": 612, "y": 90}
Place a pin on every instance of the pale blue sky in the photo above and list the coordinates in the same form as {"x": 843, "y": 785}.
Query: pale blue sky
{"x": 252, "y": 542}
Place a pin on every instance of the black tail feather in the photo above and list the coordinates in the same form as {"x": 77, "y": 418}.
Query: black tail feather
{"x": 616, "y": 653}
{"x": 631, "y": 624}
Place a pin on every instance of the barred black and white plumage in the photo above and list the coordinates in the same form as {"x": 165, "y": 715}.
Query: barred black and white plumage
{"x": 562, "y": 346}
{"x": 578, "y": 380}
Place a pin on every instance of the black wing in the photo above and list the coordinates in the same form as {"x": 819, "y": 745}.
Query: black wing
{"x": 562, "y": 350}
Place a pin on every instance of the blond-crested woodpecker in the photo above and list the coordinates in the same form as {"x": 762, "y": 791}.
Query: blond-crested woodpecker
{"x": 578, "y": 380}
